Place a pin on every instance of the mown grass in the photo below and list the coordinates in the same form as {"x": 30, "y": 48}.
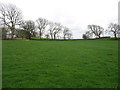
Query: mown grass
{"x": 60, "y": 64}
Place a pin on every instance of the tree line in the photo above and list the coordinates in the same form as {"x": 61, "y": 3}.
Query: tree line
{"x": 13, "y": 25}
{"x": 97, "y": 31}
{"x": 12, "y": 22}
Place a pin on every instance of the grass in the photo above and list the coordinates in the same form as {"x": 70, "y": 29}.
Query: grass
{"x": 60, "y": 64}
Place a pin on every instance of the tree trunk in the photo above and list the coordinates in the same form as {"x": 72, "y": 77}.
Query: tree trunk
{"x": 115, "y": 35}
{"x": 40, "y": 34}
{"x": 12, "y": 30}
{"x": 99, "y": 36}
{"x": 51, "y": 35}
{"x": 54, "y": 36}
{"x": 64, "y": 37}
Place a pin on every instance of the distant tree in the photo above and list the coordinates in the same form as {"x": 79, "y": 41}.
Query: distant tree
{"x": 96, "y": 30}
{"x": 51, "y": 29}
{"x": 69, "y": 35}
{"x": 66, "y": 33}
{"x": 10, "y": 16}
{"x": 57, "y": 30}
{"x": 41, "y": 25}
{"x": 30, "y": 27}
{"x": 87, "y": 35}
{"x": 54, "y": 29}
{"x": 114, "y": 28}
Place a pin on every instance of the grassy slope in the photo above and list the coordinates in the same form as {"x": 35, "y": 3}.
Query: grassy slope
{"x": 60, "y": 64}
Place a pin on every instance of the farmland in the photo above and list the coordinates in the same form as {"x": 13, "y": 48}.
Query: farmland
{"x": 60, "y": 64}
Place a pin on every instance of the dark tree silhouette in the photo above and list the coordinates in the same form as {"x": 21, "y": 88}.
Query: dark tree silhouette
{"x": 96, "y": 30}
{"x": 114, "y": 28}
{"x": 87, "y": 35}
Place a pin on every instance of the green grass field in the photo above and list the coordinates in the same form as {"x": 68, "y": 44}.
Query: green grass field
{"x": 60, "y": 64}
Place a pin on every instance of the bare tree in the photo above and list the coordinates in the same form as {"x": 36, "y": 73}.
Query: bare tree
{"x": 57, "y": 29}
{"x": 54, "y": 29}
{"x": 84, "y": 36}
{"x": 69, "y": 35}
{"x": 96, "y": 30}
{"x": 41, "y": 25}
{"x": 66, "y": 32}
{"x": 29, "y": 26}
{"x": 51, "y": 29}
{"x": 114, "y": 28}
{"x": 10, "y": 16}
{"x": 87, "y": 35}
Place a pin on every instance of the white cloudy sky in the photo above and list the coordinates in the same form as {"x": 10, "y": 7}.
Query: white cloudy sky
{"x": 75, "y": 14}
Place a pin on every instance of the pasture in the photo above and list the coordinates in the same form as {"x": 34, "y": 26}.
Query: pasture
{"x": 60, "y": 64}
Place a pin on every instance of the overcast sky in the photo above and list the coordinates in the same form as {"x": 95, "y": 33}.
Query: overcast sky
{"x": 75, "y": 14}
